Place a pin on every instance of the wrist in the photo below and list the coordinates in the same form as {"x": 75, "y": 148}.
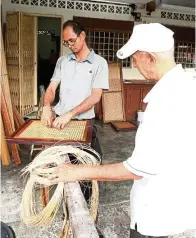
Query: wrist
{"x": 72, "y": 113}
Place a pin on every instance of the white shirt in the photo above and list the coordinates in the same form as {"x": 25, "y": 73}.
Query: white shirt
{"x": 163, "y": 202}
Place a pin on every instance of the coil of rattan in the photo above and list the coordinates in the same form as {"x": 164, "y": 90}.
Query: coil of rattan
{"x": 54, "y": 155}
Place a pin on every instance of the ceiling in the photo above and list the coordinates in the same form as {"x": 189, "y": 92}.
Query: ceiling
{"x": 184, "y": 3}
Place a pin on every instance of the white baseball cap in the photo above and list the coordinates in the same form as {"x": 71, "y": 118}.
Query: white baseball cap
{"x": 152, "y": 37}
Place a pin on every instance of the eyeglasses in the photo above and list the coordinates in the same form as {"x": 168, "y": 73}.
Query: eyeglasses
{"x": 70, "y": 42}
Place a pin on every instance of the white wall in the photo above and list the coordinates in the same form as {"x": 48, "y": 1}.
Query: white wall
{"x": 67, "y": 14}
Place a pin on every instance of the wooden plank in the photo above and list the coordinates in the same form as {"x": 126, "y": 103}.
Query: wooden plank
{"x": 5, "y": 156}
{"x": 5, "y": 84}
{"x": 18, "y": 119}
{"x": 8, "y": 127}
{"x": 82, "y": 224}
{"x": 123, "y": 126}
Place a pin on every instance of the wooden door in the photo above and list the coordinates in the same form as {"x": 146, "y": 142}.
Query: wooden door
{"x": 21, "y": 60}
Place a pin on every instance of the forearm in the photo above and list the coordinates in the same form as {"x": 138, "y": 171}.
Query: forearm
{"x": 109, "y": 172}
{"x": 49, "y": 97}
{"x": 84, "y": 106}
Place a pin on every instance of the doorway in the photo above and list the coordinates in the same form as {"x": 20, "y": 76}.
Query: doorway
{"x": 48, "y": 48}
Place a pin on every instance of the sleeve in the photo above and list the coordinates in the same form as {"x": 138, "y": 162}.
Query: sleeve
{"x": 143, "y": 161}
{"x": 57, "y": 72}
{"x": 101, "y": 79}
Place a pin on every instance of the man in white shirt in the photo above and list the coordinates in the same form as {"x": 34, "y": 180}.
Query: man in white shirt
{"x": 163, "y": 197}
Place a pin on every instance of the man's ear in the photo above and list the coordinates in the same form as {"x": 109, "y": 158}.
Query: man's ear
{"x": 152, "y": 58}
{"x": 83, "y": 35}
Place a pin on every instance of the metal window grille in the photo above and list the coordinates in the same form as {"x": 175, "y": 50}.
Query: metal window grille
{"x": 34, "y": 2}
{"x": 25, "y": 2}
{"x": 15, "y": 1}
{"x": 106, "y": 44}
{"x": 185, "y": 54}
{"x": 43, "y": 3}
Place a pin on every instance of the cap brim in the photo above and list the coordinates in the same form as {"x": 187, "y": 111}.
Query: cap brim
{"x": 127, "y": 50}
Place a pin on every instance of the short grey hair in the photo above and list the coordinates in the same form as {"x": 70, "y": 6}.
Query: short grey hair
{"x": 166, "y": 54}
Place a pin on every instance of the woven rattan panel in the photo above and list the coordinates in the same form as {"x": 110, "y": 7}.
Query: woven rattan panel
{"x": 27, "y": 60}
{"x": 14, "y": 83}
{"x": 27, "y": 42}
{"x": 74, "y": 130}
{"x": 115, "y": 77}
{"x": 12, "y": 39}
{"x": 20, "y": 60}
{"x": 113, "y": 109}
{"x": 27, "y": 104}
{"x": 12, "y": 57}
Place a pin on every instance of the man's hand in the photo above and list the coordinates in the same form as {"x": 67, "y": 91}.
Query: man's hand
{"x": 68, "y": 172}
{"x": 47, "y": 116}
{"x": 63, "y": 173}
{"x": 61, "y": 121}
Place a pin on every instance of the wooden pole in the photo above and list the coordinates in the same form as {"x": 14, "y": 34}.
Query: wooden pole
{"x": 82, "y": 224}
{"x": 8, "y": 127}
{"x": 5, "y": 115}
{"x": 5, "y": 84}
{"x": 18, "y": 119}
{"x": 5, "y": 156}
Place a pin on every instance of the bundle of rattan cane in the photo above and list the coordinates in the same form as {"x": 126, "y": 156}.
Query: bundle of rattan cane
{"x": 39, "y": 168}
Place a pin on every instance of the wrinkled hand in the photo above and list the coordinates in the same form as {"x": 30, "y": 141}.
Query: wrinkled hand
{"x": 63, "y": 173}
{"x": 47, "y": 116}
{"x": 61, "y": 121}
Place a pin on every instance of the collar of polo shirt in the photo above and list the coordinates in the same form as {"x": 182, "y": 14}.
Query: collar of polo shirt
{"x": 89, "y": 58}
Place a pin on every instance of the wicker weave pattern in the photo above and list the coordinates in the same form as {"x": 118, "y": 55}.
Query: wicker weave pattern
{"x": 12, "y": 57}
{"x": 20, "y": 60}
{"x": 12, "y": 37}
{"x": 115, "y": 81}
{"x": 112, "y": 100}
{"x": 113, "y": 107}
{"x": 14, "y": 82}
{"x": 73, "y": 131}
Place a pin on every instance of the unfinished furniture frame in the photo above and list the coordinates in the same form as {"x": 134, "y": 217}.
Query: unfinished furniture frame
{"x": 16, "y": 139}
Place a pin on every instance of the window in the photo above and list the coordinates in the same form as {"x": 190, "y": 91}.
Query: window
{"x": 185, "y": 54}
{"x": 107, "y": 43}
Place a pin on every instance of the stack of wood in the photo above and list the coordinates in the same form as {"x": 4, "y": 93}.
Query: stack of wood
{"x": 10, "y": 117}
